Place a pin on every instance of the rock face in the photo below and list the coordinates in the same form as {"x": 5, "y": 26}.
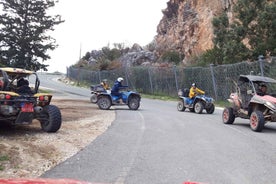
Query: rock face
{"x": 137, "y": 56}
{"x": 186, "y": 26}
{"x": 133, "y": 56}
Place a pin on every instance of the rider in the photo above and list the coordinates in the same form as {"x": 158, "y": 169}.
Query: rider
{"x": 117, "y": 86}
{"x": 194, "y": 91}
{"x": 105, "y": 84}
{"x": 23, "y": 86}
{"x": 263, "y": 90}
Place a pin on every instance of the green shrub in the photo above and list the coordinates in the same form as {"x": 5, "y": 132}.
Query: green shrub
{"x": 171, "y": 57}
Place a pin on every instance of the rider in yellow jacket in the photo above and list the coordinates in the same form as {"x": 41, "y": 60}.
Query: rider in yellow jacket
{"x": 105, "y": 84}
{"x": 194, "y": 91}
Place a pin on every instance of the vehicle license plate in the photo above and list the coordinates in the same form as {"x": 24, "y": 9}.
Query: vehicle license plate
{"x": 27, "y": 107}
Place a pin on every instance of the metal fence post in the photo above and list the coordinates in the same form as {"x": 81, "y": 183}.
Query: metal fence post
{"x": 213, "y": 80}
{"x": 126, "y": 76}
{"x": 151, "y": 87}
{"x": 175, "y": 77}
{"x": 100, "y": 78}
{"x": 261, "y": 61}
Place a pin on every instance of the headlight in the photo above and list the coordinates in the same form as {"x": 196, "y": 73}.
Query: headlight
{"x": 2, "y": 96}
{"x": 209, "y": 100}
{"x": 43, "y": 98}
{"x": 270, "y": 106}
{"x": 46, "y": 98}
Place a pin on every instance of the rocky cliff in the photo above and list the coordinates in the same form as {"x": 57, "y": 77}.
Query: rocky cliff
{"x": 186, "y": 26}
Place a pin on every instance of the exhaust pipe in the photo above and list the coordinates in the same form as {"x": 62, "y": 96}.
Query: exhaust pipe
{"x": 38, "y": 109}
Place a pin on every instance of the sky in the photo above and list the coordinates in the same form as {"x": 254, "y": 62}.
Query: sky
{"x": 93, "y": 24}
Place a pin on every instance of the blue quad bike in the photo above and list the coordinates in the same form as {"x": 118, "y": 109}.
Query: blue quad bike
{"x": 197, "y": 104}
{"x": 130, "y": 98}
{"x": 95, "y": 91}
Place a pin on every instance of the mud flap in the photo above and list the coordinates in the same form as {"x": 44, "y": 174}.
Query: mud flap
{"x": 24, "y": 118}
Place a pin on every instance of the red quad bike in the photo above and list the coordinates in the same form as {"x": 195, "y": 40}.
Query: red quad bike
{"x": 249, "y": 103}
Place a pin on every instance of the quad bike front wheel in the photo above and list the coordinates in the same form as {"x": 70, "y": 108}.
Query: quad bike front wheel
{"x": 228, "y": 116}
{"x": 257, "y": 121}
{"x": 198, "y": 107}
{"x": 180, "y": 106}
{"x": 211, "y": 109}
{"x": 134, "y": 103}
{"x": 104, "y": 102}
{"x": 50, "y": 118}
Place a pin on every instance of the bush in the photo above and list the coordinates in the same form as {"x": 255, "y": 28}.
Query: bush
{"x": 171, "y": 57}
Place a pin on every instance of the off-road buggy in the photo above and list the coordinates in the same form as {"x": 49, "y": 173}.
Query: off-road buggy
{"x": 130, "y": 98}
{"x": 197, "y": 104}
{"x": 249, "y": 103}
{"x": 21, "y": 103}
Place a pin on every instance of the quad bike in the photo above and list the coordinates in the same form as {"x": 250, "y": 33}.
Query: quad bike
{"x": 95, "y": 91}
{"x": 130, "y": 98}
{"x": 197, "y": 104}
{"x": 248, "y": 103}
{"x": 22, "y": 104}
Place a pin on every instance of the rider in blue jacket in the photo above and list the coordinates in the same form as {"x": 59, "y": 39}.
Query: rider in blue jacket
{"x": 117, "y": 86}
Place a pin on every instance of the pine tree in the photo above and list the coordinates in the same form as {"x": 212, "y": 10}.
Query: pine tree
{"x": 258, "y": 20}
{"x": 252, "y": 32}
{"x": 24, "y": 28}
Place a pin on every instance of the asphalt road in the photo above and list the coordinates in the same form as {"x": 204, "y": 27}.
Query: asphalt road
{"x": 62, "y": 90}
{"x": 159, "y": 145}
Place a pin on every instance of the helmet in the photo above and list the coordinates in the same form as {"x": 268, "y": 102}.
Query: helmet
{"x": 194, "y": 84}
{"x": 263, "y": 85}
{"x": 120, "y": 79}
{"x": 104, "y": 80}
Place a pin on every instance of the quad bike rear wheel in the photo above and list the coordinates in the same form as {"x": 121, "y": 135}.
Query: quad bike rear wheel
{"x": 134, "y": 103}
{"x": 198, "y": 107}
{"x": 257, "y": 121}
{"x": 228, "y": 116}
{"x": 180, "y": 106}
{"x": 94, "y": 98}
{"x": 50, "y": 118}
{"x": 104, "y": 102}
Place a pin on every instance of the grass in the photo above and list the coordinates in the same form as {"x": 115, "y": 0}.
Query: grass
{"x": 2, "y": 159}
{"x": 159, "y": 97}
{"x": 220, "y": 103}
{"x": 45, "y": 91}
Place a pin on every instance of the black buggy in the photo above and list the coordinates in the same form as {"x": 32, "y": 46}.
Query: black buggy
{"x": 21, "y": 103}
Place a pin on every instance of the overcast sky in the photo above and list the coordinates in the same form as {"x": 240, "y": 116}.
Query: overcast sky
{"x": 93, "y": 24}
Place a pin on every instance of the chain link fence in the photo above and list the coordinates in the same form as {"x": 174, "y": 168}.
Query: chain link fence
{"x": 216, "y": 81}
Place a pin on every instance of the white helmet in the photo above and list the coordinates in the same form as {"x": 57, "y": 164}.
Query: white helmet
{"x": 120, "y": 79}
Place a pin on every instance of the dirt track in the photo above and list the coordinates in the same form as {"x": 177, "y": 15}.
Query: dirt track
{"x": 30, "y": 151}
